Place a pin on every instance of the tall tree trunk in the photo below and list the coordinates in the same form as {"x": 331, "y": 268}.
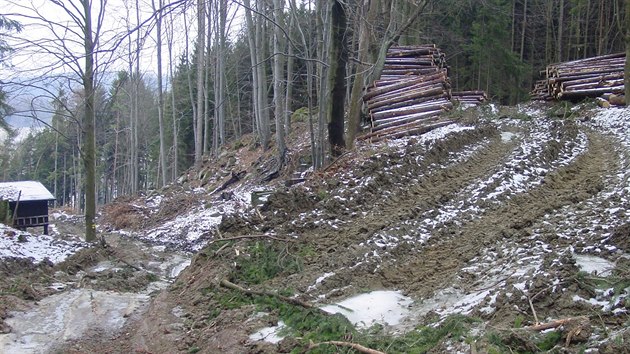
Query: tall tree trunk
{"x": 201, "y": 42}
{"x": 219, "y": 77}
{"x": 523, "y": 30}
{"x": 278, "y": 77}
{"x": 251, "y": 38}
{"x": 338, "y": 58}
{"x": 559, "y": 45}
{"x": 175, "y": 164}
{"x": 289, "y": 83}
{"x": 323, "y": 45}
{"x": 89, "y": 141}
{"x": 263, "y": 101}
{"x": 367, "y": 13}
{"x": 309, "y": 82}
{"x": 162, "y": 158}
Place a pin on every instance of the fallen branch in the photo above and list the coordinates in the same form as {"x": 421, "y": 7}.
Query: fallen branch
{"x": 355, "y": 346}
{"x": 555, "y": 324}
{"x": 293, "y": 301}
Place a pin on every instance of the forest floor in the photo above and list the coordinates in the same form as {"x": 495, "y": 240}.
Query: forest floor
{"x": 508, "y": 232}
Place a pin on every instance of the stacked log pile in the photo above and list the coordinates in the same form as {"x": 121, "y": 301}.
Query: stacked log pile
{"x": 578, "y": 79}
{"x": 410, "y": 95}
{"x": 469, "y": 97}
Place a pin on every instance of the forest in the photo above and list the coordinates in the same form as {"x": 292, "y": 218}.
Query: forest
{"x": 139, "y": 91}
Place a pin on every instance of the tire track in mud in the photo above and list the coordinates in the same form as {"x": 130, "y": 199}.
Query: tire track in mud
{"x": 340, "y": 248}
{"x": 437, "y": 264}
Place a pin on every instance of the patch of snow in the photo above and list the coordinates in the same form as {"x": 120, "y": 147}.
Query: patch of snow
{"x": 269, "y": 334}
{"x": 506, "y": 137}
{"x": 35, "y": 247}
{"x": 378, "y": 307}
{"x": 594, "y": 265}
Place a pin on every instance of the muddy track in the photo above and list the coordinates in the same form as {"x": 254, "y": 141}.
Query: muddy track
{"x": 424, "y": 269}
{"x": 436, "y": 265}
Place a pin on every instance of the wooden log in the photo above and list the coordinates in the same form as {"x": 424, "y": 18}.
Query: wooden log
{"x": 405, "y": 72}
{"x": 392, "y": 87}
{"x": 403, "y": 52}
{"x": 421, "y": 86}
{"x": 606, "y": 77}
{"x": 408, "y": 103}
{"x": 418, "y": 86}
{"x": 441, "y": 103}
{"x": 431, "y": 91}
{"x": 403, "y": 67}
{"x": 590, "y": 92}
{"x": 591, "y": 85}
{"x": 414, "y": 118}
{"x": 405, "y": 83}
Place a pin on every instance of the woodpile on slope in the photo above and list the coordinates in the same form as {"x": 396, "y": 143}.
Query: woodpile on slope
{"x": 412, "y": 92}
{"x": 583, "y": 78}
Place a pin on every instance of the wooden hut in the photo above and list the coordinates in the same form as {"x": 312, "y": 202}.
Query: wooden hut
{"x": 28, "y": 203}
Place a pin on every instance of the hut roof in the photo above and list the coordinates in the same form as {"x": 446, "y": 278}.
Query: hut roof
{"x": 31, "y": 191}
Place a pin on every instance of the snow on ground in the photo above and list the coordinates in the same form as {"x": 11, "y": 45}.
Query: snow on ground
{"x": 191, "y": 231}
{"x": 382, "y": 307}
{"x": 21, "y": 244}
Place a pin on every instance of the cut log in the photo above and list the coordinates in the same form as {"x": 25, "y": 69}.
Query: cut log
{"x": 442, "y": 103}
{"x": 409, "y": 103}
{"x": 431, "y": 91}
{"x": 399, "y": 121}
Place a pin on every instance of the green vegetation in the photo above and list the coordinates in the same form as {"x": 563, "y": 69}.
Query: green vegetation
{"x": 263, "y": 261}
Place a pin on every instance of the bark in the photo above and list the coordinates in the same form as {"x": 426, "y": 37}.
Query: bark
{"x": 89, "y": 147}
{"x": 175, "y": 148}
{"x": 278, "y": 77}
{"x": 161, "y": 123}
{"x": 336, "y": 79}
{"x": 201, "y": 35}
{"x": 288, "y": 101}
{"x": 366, "y": 13}
{"x": 560, "y": 31}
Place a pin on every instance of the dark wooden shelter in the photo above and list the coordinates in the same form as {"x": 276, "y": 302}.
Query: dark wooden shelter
{"x": 28, "y": 203}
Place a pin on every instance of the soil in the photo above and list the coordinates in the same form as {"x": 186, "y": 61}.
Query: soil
{"x": 484, "y": 222}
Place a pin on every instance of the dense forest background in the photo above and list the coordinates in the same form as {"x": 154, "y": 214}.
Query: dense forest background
{"x": 222, "y": 69}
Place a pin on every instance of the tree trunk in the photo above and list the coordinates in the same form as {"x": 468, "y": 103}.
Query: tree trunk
{"x": 338, "y": 58}
{"x": 89, "y": 141}
{"x": 162, "y": 159}
{"x": 354, "y": 112}
{"x": 559, "y": 45}
{"x": 201, "y": 42}
{"x": 278, "y": 77}
{"x": 175, "y": 148}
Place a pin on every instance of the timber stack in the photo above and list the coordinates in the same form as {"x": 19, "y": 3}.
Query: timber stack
{"x": 468, "y": 98}
{"x": 599, "y": 76}
{"x": 412, "y": 92}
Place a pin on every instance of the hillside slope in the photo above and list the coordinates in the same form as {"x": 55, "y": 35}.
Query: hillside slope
{"x": 480, "y": 231}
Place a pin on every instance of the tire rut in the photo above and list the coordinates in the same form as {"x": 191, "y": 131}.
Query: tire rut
{"x": 436, "y": 265}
